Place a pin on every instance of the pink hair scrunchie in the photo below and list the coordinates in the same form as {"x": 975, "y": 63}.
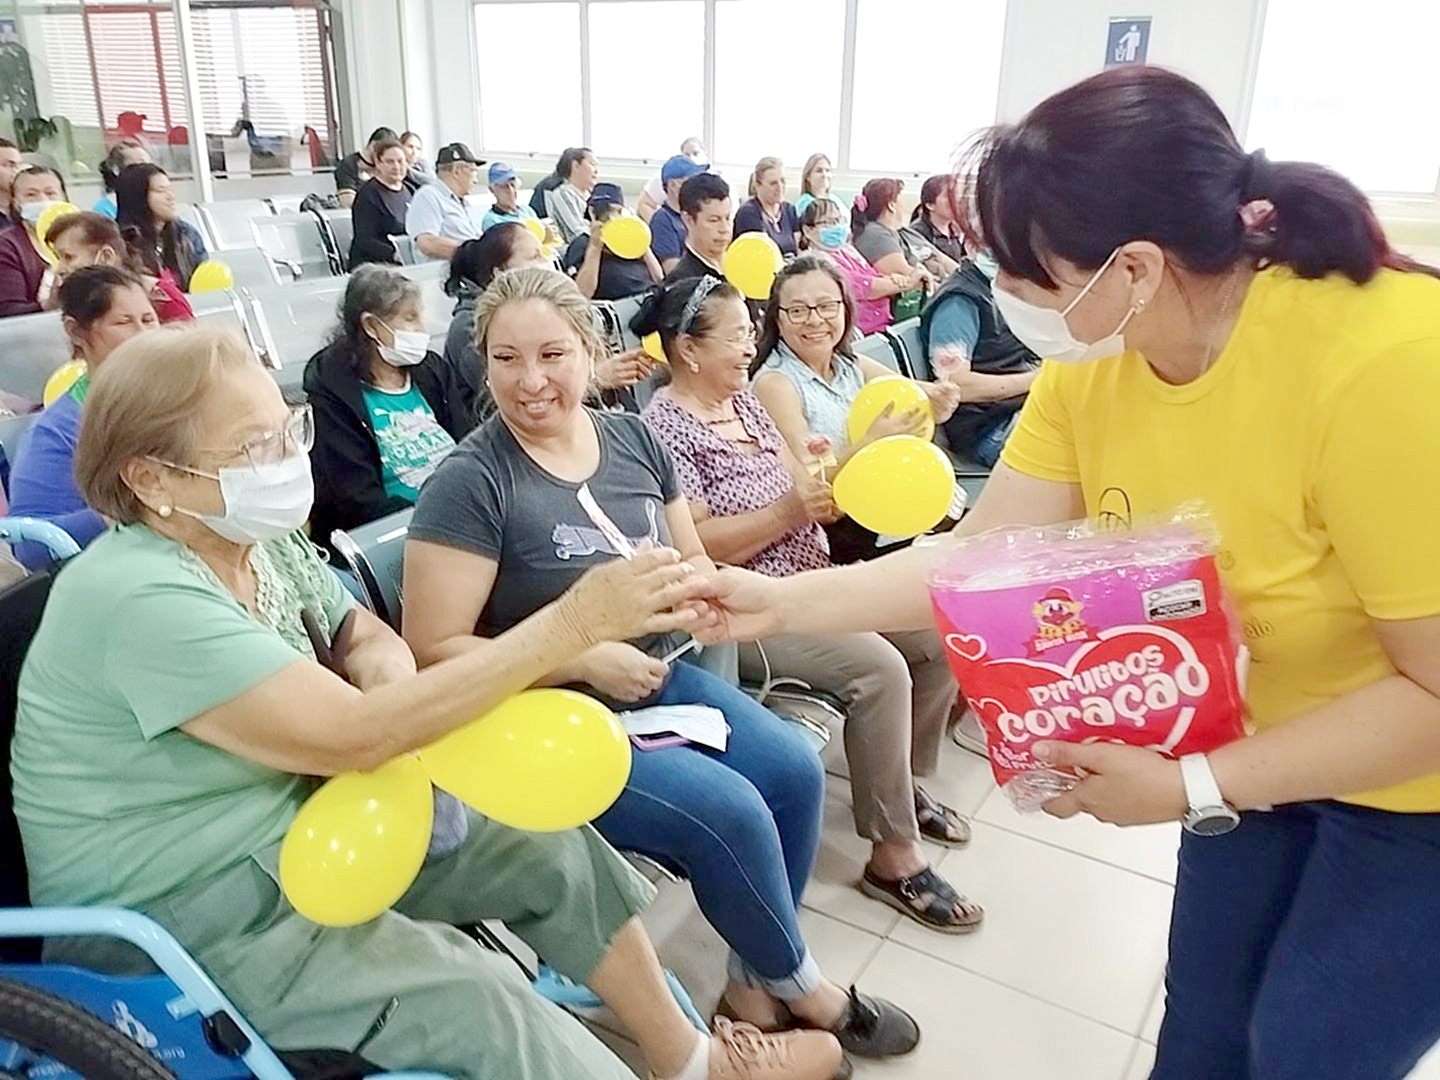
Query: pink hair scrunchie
{"x": 862, "y": 203}
{"x": 1255, "y": 215}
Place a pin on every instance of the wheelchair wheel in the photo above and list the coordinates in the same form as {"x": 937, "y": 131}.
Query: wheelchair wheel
{"x": 45, "y": 1026}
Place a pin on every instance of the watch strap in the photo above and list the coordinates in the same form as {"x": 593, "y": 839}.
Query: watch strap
{"x": 1201, "y": 790}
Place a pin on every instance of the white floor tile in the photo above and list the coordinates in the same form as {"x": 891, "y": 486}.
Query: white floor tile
{"x": 1073, "y": 931}
{"x": 974, "y": 1029}
{"x": 1150, "y": 1030}
{"x": 1145, "y": 849}
{"x": 1429, "y": 1067}
{"x": 1141, "y": 1062}
{"x": 841, "y": 950}
{"x": 832, "y": 889}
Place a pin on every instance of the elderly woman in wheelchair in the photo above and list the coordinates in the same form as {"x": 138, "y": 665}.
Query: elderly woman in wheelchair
{"x": 171, "y": 712}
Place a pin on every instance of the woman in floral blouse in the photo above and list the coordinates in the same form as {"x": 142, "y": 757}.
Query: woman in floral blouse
{"x": 756, "y": 506}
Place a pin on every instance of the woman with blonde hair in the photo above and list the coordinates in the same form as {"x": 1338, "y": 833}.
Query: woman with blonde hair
{"x": 542, "y": 491}
{"x": 766, "y": 210}
{"x": 816, "y": 181}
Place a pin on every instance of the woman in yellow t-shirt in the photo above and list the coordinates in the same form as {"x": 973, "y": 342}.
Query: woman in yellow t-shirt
{"x": 1230, "y": 329}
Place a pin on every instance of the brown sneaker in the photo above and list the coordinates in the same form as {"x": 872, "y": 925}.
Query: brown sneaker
{"x": 744, "y": 1052}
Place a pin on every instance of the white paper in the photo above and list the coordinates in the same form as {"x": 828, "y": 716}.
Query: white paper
{"x": 698, "y": 723}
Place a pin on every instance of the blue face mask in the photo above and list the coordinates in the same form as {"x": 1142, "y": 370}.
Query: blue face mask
{"x": 834, "y": 236}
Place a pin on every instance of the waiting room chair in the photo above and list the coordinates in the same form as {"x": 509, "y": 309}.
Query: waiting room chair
{"x": 293, "y": 240}
{"x": 228, "y": 221}
{"x": 31, "y": 348}
{"x": 405, "y": 248}
{"x": 293, "y": 322}
{"x": 339, "y": 229}
{"x": 909, "y": 348}
{"x": 252, "y": 268}
{"x": 12, "y": 430}
{"x": 375, "y": 554}
{"x": 879, "y": 348}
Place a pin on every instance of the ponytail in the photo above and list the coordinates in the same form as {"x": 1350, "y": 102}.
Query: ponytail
{"x": 681, "y": 307}
{"x": 872, "y": 201}
{"x": 1145, "y": 153}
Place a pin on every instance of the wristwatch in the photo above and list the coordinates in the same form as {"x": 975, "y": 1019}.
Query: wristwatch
{"x": 1209, "y": 814}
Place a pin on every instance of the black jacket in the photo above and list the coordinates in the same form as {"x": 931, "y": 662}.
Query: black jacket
{"x": 376, "y": 215}
{"x": 349, "y": 478}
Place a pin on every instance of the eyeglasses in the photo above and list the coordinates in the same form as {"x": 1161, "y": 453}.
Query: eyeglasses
{"x": 270, "y": 448}
{"x": 742, "y": 340}
{"x": 826, "y": 309}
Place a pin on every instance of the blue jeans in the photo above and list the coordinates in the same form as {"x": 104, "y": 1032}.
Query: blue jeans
{"x": 1302, "y": 945}
{"x": 989, "y": 441}
{"x": 742, "y": 825}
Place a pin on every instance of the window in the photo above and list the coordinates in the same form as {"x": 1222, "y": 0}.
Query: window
{"x": 1351, "y": 86}
{"x": 529, "y": 60}
{"x": 265, "y": 65}
{"x": 647, "y": 76}
{"x": 113, "y": 68}
{"x": 778, "y": 67}
{"x": 926, "y": 76}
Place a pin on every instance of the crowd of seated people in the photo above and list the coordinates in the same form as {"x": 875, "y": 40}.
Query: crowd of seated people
{"x": 731, "y": 460}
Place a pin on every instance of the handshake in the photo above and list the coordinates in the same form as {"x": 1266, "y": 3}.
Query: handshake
{"x": 657, "y": 592}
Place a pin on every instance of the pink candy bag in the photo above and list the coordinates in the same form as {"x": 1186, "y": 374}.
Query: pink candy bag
{"x": 1072, "y": 635}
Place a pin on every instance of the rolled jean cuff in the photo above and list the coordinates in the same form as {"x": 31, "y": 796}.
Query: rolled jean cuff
{"x": 805, "y": 979}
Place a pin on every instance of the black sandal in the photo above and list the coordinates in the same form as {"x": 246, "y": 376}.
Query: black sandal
{"x": 938, "y": 823}
{"x": 927, "y": 898}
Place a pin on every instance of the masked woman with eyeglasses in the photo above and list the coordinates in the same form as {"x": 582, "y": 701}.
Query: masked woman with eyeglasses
{"x": 387, "y": 409}
{"x": 756, "y": 506}
{"x": 198, "y": 666}
{"x": 807, "y": 376}
{"x": 1221, "y": 327}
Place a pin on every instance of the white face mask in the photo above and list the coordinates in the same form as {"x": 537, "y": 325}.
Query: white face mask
{"x": 262, "y": 502}
{"x": 409, "y": 349}
{"x": 31, "y": 212}
{"x": 1045, "y": 332}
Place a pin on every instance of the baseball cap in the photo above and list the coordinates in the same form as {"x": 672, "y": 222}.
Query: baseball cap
{"x": 680, "y": 167}
{"x": 500, "y": 173}
{"x": 450, "y": 153}
{"x": 603, "y": 195}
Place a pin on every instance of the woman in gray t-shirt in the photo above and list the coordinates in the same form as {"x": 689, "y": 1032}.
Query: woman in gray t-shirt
{"x": 509, "y": 519}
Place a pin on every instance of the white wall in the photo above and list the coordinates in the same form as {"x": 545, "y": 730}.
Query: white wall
{"x": 1050, "y": 44}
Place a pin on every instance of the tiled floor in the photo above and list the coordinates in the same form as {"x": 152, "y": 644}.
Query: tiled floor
{"x": 1063, "y": 980}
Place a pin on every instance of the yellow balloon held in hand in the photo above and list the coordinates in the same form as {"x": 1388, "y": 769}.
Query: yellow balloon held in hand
{"x": 654, "y": 348}
{"x": 535, "y": 226}
{"x": 543, "y": 761}
{"x": 627, "y": 237}
{"x": 65, "y": 376}
{"x": 751, "y": 263}
{"x": 356, "y": 845}
{"x": 896, "y": 486}
{"x": 212, "y": 275}
{"x": 901, "y": 394}
{"x": 53, "y": 213}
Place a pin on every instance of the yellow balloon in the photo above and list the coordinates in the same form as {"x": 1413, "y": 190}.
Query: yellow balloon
{"x": 534, "y": 225}
{"x": 212, "y": 275}
{"x": 543, "y": 761}
{"x": 751, "y": 263}
{"x": 628, "y": 237}
{"x": 357, "y": 843}
{"x": 653, "y": 347}
{"x": 896, "y": 486}
{"x": 901, "y": 394}
{"x": 61, "y": 381}
{"x": 52, "y": 214}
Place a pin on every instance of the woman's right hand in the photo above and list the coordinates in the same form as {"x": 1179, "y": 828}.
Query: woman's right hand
{"x": 888, "y": 422}
{"x": 622, "y": 672}
{"x": 627, "y": 598}
{"x": 808, "y": 500}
